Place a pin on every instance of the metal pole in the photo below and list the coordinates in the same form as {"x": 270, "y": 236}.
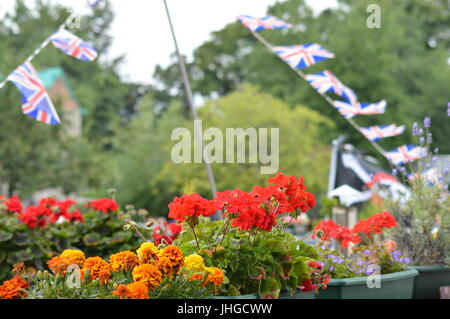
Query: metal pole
{"x": 187, "y": 88}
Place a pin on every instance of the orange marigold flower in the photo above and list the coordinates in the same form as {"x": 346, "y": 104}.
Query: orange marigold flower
{"x": 75, "y": 255}
{"x": 147, "y": 253}
{"x": 170, "y": 260}
{"x": 125, "y": 260}
{"x": 148, "y": 274}
{"x": 196, "y": 277}
{"x": 215, "y": 276}
{"x": 13, "y": 289}
{"x": 121, "y": 291}
{"x": 58, "y": 265}
{"x": 104, "y": 276}
{"x": 18, "y": 268}
{"x": 96, "y": 265}
{"x": 137, "y": 290}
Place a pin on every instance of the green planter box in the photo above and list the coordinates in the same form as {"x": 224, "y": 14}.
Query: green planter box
{"x": 298, "y": 295}
{"x": 397, "y": 285}
{"x": 430, "y": 278}
{"x": 251, "y": 296}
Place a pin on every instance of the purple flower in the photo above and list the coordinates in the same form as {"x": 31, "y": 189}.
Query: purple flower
{"x": 395, "y": 172}
{"x": 436, "y": 150}
{"x": 448, "y": 109}
{"x": 429, "y": 138}
{"x": 366, "y": 252}
{"x": 331, "y": 268}
{"x": 427, "y": 122}
{"x": 415, "y": 129}
{"x": 446, "y": 170}
{"x": 422, "y": 140}
{"x": 396, "y": 255}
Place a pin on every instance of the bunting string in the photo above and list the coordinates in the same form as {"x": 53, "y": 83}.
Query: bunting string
{"x": 352, "y": 122}
{"x": 41, "y": 47}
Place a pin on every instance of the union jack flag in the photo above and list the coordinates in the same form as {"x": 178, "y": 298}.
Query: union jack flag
{"x": 303, "y": 56}
{"x": 264, "y": 23}
{"x": 377, "y": 132}
{"x": 72, "y": 45}
{"x": 405, "y": 154}
{"x": 36, "y": 102}
{"x": 326, "y": 81}
{"x": 348, "y": 110}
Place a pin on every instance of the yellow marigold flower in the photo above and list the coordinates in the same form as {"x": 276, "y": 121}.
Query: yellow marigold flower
{"x": 170, "y": 260}
{"x": 75, "y": 255}
{"x": 96, "y": 265}
{"x": 58, "y": 265}
{"x": 194, "y": 262}
{"x": 147, "y": 274}
{"x": 147, "y": 252}
{"x": 137, "y": 290}
{"x": 125, "y": 260}
{"x": 215, "y": 276}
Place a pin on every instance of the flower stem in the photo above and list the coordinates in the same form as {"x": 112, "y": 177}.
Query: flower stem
{"x": 196, "y": 239}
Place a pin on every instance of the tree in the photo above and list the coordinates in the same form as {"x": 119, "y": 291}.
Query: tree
{"x": 301, "y": 152}
{"x": 34, "y": 155}
{"x": 404, "y": 62}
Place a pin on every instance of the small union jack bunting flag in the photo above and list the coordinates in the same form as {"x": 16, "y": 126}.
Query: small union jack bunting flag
{"x": 303, "y": 56}
{"x": 348, "y": 110}
{"x": 264, "y": 23}
{"x": 72, "y": 45}
{"x": 377, "y": 132}
{"x": 36, "y": 102}
{"x": 431, "y": 175}
{"x": 326, "y": 81}
{"x": 405, "y": 154}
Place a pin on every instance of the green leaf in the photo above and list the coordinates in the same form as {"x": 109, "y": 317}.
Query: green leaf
{"x": 4, "y": 236}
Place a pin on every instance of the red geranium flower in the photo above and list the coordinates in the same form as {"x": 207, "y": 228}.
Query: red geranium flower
{"x": 13, "y": 204}
{"x": 192, "y": 205}
{"x": 328, "y": 229}
{"x": 104, "y": 205}
{"x": 375, "y": 224}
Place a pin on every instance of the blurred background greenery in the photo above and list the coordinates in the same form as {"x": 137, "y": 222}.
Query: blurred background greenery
{"x": 125, "y": 141}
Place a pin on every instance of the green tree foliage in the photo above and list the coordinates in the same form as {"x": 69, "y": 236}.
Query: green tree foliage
{"x": 34, "y": 155}
{"x": 146, "y": 146}
{"x": 405, "y": 62}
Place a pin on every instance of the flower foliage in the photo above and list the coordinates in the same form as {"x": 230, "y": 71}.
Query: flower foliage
{"x": 124, "y": 276}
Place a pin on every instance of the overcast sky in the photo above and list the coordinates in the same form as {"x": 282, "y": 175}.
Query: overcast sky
{"x": 141, "y": 32}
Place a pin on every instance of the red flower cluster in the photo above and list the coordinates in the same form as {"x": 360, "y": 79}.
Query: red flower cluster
{"x": 13, "y": 204}
{"x": 167, "y": 232}
{"x": 104, "y": 205}
{"x": 192, "y": 205}
{"x": 256, "y": 209}
{"x": 260, "y": 207}
{"x": 49, "y": 210}
{"x": 375, "y": 224}
{"x": 319, "y": 279}
{"x": 328, "y": 229}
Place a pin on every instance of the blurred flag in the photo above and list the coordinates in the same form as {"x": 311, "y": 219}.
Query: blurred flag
{"x": 72, "y": 45}
{"x": 348, "y": 110}
{"x": 377, "y": 132}
{"x": 326, "y": 81}
{"x": 265, "y": 23}
{"x": 36, "y": 102}
{"x": 303, "y": 56}
{"x": 405, "y": 154}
